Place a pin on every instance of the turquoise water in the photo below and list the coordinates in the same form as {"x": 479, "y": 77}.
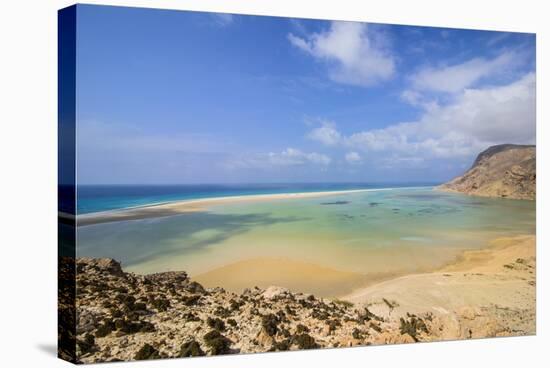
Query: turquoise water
{"x": 97, "y": 198}
{"x": 376, "y": 232}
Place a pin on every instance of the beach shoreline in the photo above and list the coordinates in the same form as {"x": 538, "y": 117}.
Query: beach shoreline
{"x": 486, "y": 293}
{"x": 164, "y": 209}
{"x": 324, "y": 281}
{"x": 479, "y": 286}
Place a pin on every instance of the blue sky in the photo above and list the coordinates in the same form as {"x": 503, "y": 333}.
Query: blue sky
{"x": 190, "y": 97}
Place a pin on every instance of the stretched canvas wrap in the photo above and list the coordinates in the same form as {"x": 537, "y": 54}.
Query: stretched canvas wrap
{"x": 234, "y": 184}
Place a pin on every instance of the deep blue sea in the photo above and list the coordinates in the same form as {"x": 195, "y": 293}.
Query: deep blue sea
{"x": 96, "y": 198}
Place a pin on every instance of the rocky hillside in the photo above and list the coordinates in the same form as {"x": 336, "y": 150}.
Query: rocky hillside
{"x": 123, "y": 316}
{"x": 505, "y": 171}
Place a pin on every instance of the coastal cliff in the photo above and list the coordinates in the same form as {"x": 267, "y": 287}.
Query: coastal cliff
{"x": 504, "y": 171}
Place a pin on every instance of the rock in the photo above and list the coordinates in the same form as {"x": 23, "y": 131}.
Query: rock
{"x": 393, "y": 338}
{"x": 122, "y": 316}
{"x": 106, "y": 265}
{"x": 171, "y": 277}
{"x": 217, "y": 343}
{"x": 325, "y": 331}
{"x": 191, "y": 349}
{"x": 305, "y": 341}
{"x": 274, "y": 292}
{"x": 264, "y": 339}
{"x": 147, "y": 352}
{"x": 195, "y": 287}
{"x": 468, "y": 312}
{"x": 506, "y": 171}
{"x": 86, "y": 321}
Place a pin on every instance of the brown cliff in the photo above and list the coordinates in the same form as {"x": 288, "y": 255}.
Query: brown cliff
{"x": 504, "y": 171}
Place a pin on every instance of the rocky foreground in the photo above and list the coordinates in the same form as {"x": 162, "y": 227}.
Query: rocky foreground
{"x": 505, "y": 171}
{"x": 124, "y": 316}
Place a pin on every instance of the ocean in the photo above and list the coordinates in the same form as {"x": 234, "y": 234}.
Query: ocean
{"x": 97, "y": 198}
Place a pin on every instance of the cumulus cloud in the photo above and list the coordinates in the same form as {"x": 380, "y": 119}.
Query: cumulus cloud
{"x": 354, "y": 52}
{"x": 455, "y": 78}
{"x": 476, "y": 119}
{"x": 326, "y": 134}
{"x": 353, "y": 157}
{"x": 286, "y": 158}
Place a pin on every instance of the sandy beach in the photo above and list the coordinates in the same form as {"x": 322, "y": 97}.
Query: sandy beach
{"x": 495, "y": 285}
{"x": 500, "y": 274}
{"x": 196, "y": 205}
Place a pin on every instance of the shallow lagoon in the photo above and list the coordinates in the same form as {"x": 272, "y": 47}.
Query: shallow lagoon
{"x": 377, "y": 233}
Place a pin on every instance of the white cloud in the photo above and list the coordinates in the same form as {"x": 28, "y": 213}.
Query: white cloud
{"x": 223, "y": 19}
{"x": 411, "y": 97}
{"x": 326, "y": 134}
{"x": 355, "y": 53}
{"x": 455, "y": 78}
{"x": 293, "y": 156}
{"x": 499, "y": 37}
{"x": 286, "y": 158}
{"x": 476, "y": 119}
{"x": 353, "y": 157}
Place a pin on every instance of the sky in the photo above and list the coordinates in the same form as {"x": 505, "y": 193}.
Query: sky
{"x": 174, "y": 97}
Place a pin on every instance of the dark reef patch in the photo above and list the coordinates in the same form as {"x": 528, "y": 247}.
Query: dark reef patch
{"x": 334, "y": 203}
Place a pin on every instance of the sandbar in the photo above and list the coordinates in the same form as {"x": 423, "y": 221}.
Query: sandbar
{"x": 197, "y": 205}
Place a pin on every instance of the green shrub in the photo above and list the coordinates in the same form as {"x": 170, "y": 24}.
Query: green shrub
{"x": 283, "y": 331}
{"x": 367, "y": 315}
{"x": 412, "y": 326}
{"x": 216, "y": 324}
{"x": 283, "y": 345}
{"x": 320, "y": 314}
{"x": 217, "y": 343}
{"x": 305, "y": 341}
{"x": 391, "y": 304}
{"x": 356, "y": 334}
{"x": 191, "y": 349}
{"x": 139, "y": 306}
{"x": 191, "y": 317}
{"x": 104, "y": 329}
{"x": 191, "y": 299}
{"x": 195, "y": 287}
{"x": 375, "y": 327}
{"x": 333, "y": 324}
{"x": 130, "y": 327}
{"x": 235, "y": 305}
{"x": 269, "y": 324}
{"x": 300, "y": 328}
{"x": 343, "y": 303}
{"x": 147, "y": 352}
{"x": 222, "y": 312}
{"x": 161, "y": 304}
{"x": 289, "y": 310}
{"x": 86, "y": 344}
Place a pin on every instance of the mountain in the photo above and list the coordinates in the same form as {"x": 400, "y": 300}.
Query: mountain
{"x": 504, "y": 171}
